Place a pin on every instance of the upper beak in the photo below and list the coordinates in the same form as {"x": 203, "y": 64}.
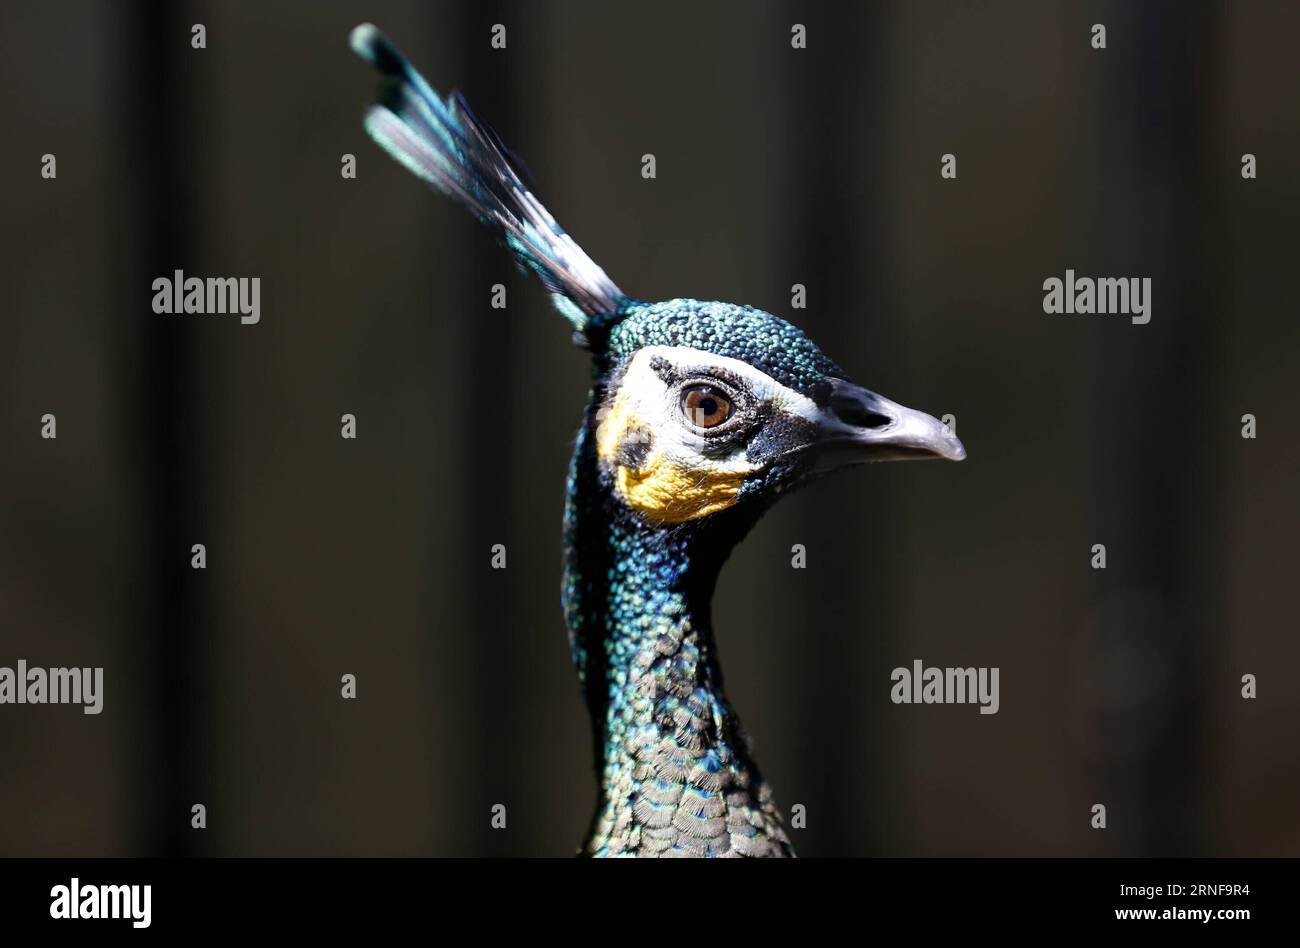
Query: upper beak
{"x": 859, "y": 426}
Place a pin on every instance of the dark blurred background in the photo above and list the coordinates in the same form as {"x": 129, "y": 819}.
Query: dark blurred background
{"x": 775, "y": 166}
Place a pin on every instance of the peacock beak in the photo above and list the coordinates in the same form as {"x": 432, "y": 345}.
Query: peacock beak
{"x": 858, "y": 426}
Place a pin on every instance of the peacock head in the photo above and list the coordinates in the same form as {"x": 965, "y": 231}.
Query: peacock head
{"x": 704, "y": 407}
{"x": 713, "y": 406}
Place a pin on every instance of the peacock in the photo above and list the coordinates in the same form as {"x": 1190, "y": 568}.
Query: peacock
{"x": 700, "y": 416}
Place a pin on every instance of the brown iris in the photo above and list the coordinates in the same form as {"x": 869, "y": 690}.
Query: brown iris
{"x": 705, "y": 407}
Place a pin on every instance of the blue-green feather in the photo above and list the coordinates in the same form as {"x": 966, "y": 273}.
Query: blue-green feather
{"x": 444, "y": 143}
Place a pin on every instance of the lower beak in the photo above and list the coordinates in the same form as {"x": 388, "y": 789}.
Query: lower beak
{"x": 859, "y": 426}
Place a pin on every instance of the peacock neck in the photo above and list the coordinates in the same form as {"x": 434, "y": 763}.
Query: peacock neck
{"x": 675, "y": 775}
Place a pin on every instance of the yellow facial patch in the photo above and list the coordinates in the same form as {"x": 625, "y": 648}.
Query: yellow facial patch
{"x": 663, "y": 488}
{"x": 668, "y": 493}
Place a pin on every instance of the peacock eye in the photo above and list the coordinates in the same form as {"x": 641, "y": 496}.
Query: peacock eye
{"x": 704, "y": 406}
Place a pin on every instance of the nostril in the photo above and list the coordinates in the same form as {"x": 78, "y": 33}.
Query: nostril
{"x": 853, "y": 412}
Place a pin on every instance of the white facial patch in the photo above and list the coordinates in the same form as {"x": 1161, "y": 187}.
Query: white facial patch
{"x": 645, "y": 397}
{"x": 678, "y": 472}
